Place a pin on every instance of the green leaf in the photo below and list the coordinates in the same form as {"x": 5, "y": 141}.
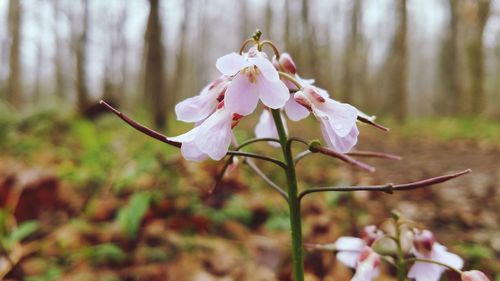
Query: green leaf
{"x": 104, "y": 254}
{"x": 24, "y": 230}
{"x": 130, "y": 216}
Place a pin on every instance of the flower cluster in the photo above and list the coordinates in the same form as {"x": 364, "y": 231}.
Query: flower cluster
{"x": 429, "y": 258}
{"x": 245, "y": 80}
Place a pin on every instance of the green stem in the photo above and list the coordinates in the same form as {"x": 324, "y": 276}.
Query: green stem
{"x": 293, "y": 199}
{"x": 401, "y": 263}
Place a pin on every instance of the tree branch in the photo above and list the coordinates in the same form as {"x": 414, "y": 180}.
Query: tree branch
{"x": 343, "y": 157}
{"x": 374, "y": 154}
{"x": 388, "y": 188}
{"x": 370, "y": 122}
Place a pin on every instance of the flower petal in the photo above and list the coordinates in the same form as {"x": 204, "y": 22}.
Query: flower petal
{"x": 197, "y": 108}
{"x": 334, "y": 141}
{"x": 368, "y": 266}
{"x": 231, "y": 63}
{"x": 241, "y": 95}
{"x": 191, "y": 152}
{"x": 266, "y": 128}
{"x": 348, "y": 259}
{"x": 422, "y": 271}
{"x": 266, "y": 68}
{"x": 440, "y": 253}
{"x": 186, "y": 137}
{"x": 295, "y": 111}
{"x": 342, "y": 116}
{"x": 349, "y": 243}
{"x": 273, "y": 94}
{"x": 214, "y": 135}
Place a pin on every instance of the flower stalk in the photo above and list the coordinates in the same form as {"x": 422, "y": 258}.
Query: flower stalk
{"x": 293, "y": 199}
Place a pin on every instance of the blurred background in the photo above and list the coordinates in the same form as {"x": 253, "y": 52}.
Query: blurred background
{"x": 83, "y": 196}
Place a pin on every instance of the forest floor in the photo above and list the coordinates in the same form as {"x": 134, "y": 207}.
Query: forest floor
{"x": 110, "y": 204}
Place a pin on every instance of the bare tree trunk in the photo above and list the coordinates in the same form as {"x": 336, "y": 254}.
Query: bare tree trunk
{"x": 307, "y": 55}
{"x": 287, "y": 32}
{"x": 154, "y": 70}
{"x": 399, "y": 64}
{"x": 449, "y": 101}
{"x": 82, "y": 95}
{"x": 245, "y": 29}
{"x": 268, "y": 21}
{"x": 38, "y": 73}
{"x": 182, "y": 60}
{"x": 14, "y": 82}
{"x": 60, "y": 81}
{"x": 350, "y": 58}
{"x": 476, "y": 58}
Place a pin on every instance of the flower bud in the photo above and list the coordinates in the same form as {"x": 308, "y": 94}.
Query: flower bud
{"x": 312, "y": 93}
{"x": 473, "y": 275}
{"x": 371, "y": 233}
{"x": 423, "y": 241}
{"x": 287, "y": 63}
{"x": 301, "y": 99}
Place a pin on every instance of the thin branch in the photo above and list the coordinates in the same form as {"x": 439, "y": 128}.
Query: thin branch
{"x": 343, "y": 157}
{"x": 297, "y": 139}
{"x": 261, "y": 174}
{"x": 371, "y": 122}
{"x": 245, "y": 43}
{"x": 158, "y": 136}
{"x": 257, "y": 156}
{"x": 374, "y": 154}
{"x": 290, "y": 78}
{"x": 145, "y": 130}
{"x": 301, "y": 155}
{"x": 250, "y": 141}
{"x": 434, "y": 262}
{"x": 273, "y": 46}
{"x": 388, "y": 188}
{"x": 229, "y": 161}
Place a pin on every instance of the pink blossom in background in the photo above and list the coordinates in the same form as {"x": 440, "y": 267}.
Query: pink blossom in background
{"x": 266, "y": 128}
{"x": 425, "y": 247}
{"x": 474, "y": 275}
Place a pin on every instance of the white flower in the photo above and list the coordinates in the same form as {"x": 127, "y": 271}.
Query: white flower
{"x": 210, "y": 138}
{"x": 254, "y": 78}
{"x": 199, "y": 107}
{"x": 338, "y": 120}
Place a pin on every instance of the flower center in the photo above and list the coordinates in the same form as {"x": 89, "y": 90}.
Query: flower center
{"x": 251, "y": 73}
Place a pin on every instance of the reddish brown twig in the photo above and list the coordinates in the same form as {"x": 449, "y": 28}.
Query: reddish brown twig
{"x": 370, "y": 122}
{"x": 145, "y": 130}
{"x": 343, "y": 157}
{"x": 374, "y": 154}
{"x": 388, "y": 188}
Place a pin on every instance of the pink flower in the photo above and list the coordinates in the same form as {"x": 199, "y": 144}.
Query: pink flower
{"x": 266, "y": 128}
{"x": 425, "y": 247}
{"x": 349, "y": 248}
{"x": 254, "y": 78}
{"x": 338, "y": 120}
{"x": 211, "y": 138}
{"x": 199, "y": 107}
{"x": 474, "y": 275}
{"x": 368, "y": 265}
